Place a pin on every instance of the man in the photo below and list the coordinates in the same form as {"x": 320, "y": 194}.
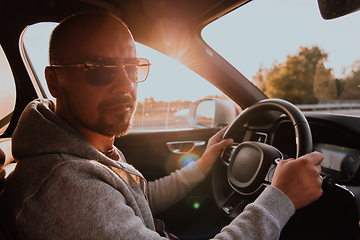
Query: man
{"x": 72, "y": 183}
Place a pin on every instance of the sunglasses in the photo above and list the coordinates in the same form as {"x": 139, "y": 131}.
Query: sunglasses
{"x": 102, "y": 71}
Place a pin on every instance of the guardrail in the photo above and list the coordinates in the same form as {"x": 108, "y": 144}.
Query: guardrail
{"x": 329, "y": 106}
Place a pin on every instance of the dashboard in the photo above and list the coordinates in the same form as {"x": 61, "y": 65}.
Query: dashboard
{"x": 341, "y": 163}
{"x": 336, "y": 137}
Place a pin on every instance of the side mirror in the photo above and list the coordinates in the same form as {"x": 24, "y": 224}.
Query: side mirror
{"x": 211, "y": 112}
{"x": 331, "y": 9}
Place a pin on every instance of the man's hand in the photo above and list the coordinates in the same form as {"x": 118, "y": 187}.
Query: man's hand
{"x": 300, "y": 178}
{"x": 213, "y": 150}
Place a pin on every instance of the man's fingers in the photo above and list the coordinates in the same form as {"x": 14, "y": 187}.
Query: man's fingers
{"x": 221, "y": 133}
{"x": 314, "y": 157}
{"x": 226, "y": 142}
{"x": 318, "y": 167}
{"x": 217, "y": 147}
{"x": 217, "y": 137}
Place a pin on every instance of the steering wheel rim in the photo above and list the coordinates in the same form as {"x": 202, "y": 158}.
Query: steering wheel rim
{"x": 231, "y": 203}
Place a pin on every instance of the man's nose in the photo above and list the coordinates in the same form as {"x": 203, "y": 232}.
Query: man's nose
{"x": 121, "y": 82}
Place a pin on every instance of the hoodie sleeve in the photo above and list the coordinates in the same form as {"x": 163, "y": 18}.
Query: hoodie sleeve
{"x": 165, "y": 192}
{"x": 263, "y": 219}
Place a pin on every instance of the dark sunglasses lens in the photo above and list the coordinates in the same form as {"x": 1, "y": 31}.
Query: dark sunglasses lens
{"x": 100, "y": 71}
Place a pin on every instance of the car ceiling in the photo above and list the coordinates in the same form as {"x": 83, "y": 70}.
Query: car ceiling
{"x": 168, "y": 26}
{"x": 144, "y": 17}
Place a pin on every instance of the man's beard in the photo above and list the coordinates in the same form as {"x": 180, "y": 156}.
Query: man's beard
{"x": 105, "y": 128}
{"x": 102, "y": 125}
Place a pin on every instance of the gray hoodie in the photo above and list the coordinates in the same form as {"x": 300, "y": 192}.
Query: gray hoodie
{"x": 64, "y": 188}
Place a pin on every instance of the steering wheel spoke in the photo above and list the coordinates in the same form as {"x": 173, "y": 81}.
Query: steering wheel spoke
{"x": 227, "y": 153}
{"x": 235, "y": 203}
{"x": 270, "y": 174}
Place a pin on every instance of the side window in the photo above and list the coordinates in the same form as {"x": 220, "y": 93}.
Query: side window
{"x": 36, "y": 44}
{"x": 163, "y": 99}
{"x": 7, "y": 92}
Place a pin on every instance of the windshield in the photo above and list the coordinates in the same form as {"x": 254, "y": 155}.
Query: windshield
{"x": 288, "y": 51}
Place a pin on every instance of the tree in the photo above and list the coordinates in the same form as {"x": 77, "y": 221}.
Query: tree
{"x": 325, "y": 85}
{"x": 259, "y": 78}
{"x": 294, "y": 79}
{"x": 352, "y": 83}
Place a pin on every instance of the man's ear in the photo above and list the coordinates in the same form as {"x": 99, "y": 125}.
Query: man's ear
{"x": 53, "y": 82}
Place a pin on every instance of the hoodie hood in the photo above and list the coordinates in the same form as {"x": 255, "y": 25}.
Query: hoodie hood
{"x": 41, "y": 131}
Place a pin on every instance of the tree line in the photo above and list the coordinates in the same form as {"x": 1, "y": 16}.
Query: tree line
{"x": 303, "y": 79}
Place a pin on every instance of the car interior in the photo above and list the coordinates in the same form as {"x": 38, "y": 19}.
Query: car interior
{"x": 281, "y": 128}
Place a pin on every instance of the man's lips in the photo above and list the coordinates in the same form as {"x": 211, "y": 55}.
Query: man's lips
{"x": 118, "y": 105}
{"x": 120, "y": 108}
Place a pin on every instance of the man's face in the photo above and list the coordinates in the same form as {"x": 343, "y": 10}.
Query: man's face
{"x": 104, "y": 109}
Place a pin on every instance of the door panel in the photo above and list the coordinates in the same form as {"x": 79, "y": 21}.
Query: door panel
{"x": 150, "y": 154}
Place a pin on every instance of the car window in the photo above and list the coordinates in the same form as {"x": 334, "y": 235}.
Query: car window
{"x": 290, "y": 52}
{"x": 7, "y": 92}
{"x": 163, "y": 99}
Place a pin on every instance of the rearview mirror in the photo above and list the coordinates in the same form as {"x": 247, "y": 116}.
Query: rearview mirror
{"x": 211, "y": 112}
{"x": 331, "y": 9}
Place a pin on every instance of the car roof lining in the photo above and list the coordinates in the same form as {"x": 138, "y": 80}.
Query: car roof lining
{"x": 139, "y": 15}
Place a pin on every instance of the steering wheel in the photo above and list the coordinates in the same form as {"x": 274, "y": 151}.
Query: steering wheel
{"x": 247, "y": 164}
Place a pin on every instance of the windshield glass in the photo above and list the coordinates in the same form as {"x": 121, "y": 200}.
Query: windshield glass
{"x": 290, "y": 52}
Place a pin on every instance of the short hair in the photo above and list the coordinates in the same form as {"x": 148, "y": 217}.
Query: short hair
{"x": 58, "y": 36}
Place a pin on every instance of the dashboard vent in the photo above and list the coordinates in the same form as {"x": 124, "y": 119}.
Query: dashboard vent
{"x": 259, "y": 137}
